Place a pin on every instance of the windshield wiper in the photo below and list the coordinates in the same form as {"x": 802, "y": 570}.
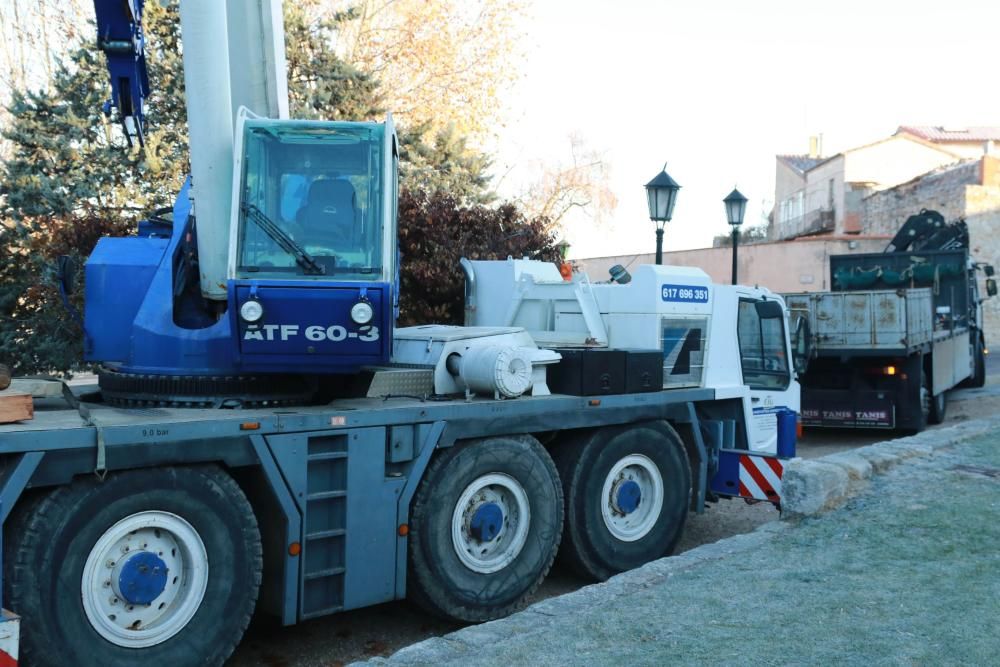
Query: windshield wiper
{"x": 286, "y": 242}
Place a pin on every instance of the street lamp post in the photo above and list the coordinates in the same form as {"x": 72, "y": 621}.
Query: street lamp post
{"x": 661, "y": 193}
{"x": 736, "y": 206}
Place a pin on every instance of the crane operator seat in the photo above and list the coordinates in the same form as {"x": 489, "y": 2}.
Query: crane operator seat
{"x": 328, "y": 218}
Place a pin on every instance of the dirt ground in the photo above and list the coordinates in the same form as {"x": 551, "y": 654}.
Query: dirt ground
{"x": 384, "y": 629}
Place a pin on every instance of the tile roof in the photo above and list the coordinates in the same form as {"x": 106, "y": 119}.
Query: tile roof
{"x": 939, "y": 133}
{"x": 801, "y": 163}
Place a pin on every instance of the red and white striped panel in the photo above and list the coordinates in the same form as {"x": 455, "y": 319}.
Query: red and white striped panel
{"x": 10, "y": 633}
{"x": 760, "y": 477}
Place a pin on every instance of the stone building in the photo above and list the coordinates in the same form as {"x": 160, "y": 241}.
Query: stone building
{"x": 815, "y": 195}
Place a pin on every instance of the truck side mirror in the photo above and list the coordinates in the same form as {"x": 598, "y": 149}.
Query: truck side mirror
{"x": 991, "y": 287}
{"x": 66, "y": 273}
{"x": 801, "y": 344}
{"x": 988, "y": 270}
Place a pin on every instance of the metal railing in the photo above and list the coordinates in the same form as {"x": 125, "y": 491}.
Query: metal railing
{"x": 817, "y": 221}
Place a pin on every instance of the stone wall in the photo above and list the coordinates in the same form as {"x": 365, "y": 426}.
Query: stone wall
{"x": 943, "y": 191}
{"x": 982, "y": 214}
{"x": 802, "y": 265}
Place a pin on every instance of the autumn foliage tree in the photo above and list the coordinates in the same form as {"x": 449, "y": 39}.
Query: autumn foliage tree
{"x": 443, "y": 62}
{"x": 436, "y": 231}
{"x": 579, "y": 183}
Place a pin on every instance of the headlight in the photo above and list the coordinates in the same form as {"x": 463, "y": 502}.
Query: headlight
{"x": 362, "y": 313}
{"x": 251, "y": 311}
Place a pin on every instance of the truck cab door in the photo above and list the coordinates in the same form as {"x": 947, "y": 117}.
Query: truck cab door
{"x": 765, "y": 361}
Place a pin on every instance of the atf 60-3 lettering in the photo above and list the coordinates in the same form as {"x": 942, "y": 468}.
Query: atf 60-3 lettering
{"x": 314, "y": 333}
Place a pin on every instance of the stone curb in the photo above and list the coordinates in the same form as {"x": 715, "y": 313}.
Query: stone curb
{"x": 461, "y": 645}
{"x": 808, "y": 487}
{"x": 813, "y": 486}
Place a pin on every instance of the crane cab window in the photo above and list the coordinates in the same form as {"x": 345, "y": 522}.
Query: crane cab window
{"x": 310, "y": 201}
{"x": 761, "y": 334}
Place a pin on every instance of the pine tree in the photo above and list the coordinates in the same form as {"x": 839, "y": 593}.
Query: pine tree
{"x": 72, "y": 162}
{"x": 72, "y": 179}
{"x": 443, "y": 163}
{"x": 320, "y": 85}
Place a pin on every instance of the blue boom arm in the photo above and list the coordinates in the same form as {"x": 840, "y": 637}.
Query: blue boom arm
{"x": 119, "y": 36}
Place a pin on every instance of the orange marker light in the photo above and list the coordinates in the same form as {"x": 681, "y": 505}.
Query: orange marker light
{"x": 594, "y": 402}
{"x": 294, "y": 549}
{"x": 404, "y": 530}
{"x": 890, "y": 370}
{"x": 250, "y": 426}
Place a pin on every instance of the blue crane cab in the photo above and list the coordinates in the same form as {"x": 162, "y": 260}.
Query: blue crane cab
{"x": 312, "y": 265}
{"x": 313, "y": 253}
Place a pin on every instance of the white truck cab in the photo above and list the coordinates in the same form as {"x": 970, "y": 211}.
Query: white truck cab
{"x": 732, "y": 339}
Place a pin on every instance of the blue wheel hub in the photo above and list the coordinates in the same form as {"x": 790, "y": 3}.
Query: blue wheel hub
{"x": 629, "y": 495}
{"x": 143, "y": 578}
{"x": 486, "y": 522}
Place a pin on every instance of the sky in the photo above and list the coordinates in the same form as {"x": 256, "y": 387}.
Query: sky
{"x": 717, "y": 88}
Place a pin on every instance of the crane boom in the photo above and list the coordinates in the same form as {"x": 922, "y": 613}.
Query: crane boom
{"x": 234, "y": 56}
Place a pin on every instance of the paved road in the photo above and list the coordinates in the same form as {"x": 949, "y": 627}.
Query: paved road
{"x": 905, "y": 574}
{"x": 384, "y": 629}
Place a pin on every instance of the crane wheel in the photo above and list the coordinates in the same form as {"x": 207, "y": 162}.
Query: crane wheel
{"x": 484, "y": 528}
{"x": 627, "y": 491}
{"x": 150, "y": 566}
{"x": 4, "y": 377}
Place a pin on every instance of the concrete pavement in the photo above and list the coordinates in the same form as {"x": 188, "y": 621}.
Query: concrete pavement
{"x": 906, "y": 572}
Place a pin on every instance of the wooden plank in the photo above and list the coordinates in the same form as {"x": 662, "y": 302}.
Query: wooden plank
{"x": 35, "y": 387}
{"x": 15, "y": 407}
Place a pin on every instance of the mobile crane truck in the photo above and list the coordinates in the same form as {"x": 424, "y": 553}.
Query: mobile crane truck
{"x": 264, "y": 439}
{"x": 899, "y": 329}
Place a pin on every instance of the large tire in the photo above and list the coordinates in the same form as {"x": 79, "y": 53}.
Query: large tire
{"x": 978, "y": 377}
{"x": 937, "y": 405}
{"x": 473, "y": 563}
{"x": 190, "y": 522}
{"x": 627, "y": 491}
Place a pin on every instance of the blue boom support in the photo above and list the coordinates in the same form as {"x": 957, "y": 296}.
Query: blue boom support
{"x": 119, "y": 36}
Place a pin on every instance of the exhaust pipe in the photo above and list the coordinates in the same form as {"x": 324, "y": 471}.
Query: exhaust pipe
{"x": 470, "y": 290}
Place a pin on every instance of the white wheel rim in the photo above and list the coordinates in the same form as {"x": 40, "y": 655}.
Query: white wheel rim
{"x": 630, "y": 524}
{"x": 149, "y": 537}
{"x": 489, "y": 555}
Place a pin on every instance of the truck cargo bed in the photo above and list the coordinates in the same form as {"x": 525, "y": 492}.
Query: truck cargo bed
{"x": 872, "y": 321}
